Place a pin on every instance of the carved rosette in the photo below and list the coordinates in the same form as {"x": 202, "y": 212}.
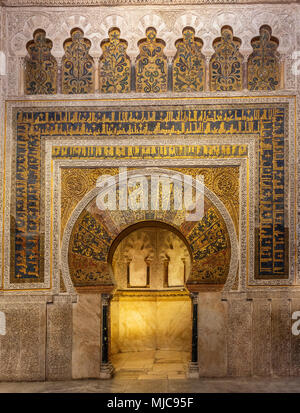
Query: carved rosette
{"x": 225, "y": 66}
{"x": 77, "y": 65}
{"x": 151, "y": 64}
{"x": 189, "y": 63}
{"x": 40, "y": 66}
{"x": 114, "y": 70}
{"x": 263, "y": 63}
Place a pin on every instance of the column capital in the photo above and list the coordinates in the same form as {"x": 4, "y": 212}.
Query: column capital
{"x": 194, "y": 297}
{"x": 105, "y": 298}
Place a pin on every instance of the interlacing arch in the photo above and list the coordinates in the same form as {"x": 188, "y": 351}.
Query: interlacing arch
{"x": 152, "y": 74}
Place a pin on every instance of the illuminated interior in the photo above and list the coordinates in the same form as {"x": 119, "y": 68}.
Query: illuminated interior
{"x": 151, "y": 308}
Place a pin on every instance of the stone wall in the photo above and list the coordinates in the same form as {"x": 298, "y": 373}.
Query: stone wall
{"x": 86, "y": 336}
{"x": 38, "y": 340}
{"x": 237, "y": 336}
{"x": 247, "y": 336}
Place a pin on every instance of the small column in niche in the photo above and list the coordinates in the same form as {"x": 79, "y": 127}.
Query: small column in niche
{"x": 128, "y": 273}
{"x": 106, "y": 368}
{"x": 193, "y": 371}
{"x": 148, "y": 262}
{"x": 166, "y": 272}
{"x": 184, "y": 269}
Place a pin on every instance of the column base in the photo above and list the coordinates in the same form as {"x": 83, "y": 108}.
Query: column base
{"x": 106, "y": 371}
{"x": 193, "y": 370}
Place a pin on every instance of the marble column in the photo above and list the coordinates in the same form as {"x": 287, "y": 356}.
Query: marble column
{"x": 193, "y": 371}
{"x": 106, "y": 368}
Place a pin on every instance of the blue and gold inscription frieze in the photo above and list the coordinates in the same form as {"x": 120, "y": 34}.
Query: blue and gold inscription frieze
{"x": 266, "y": 121}
{"x": 148, "y": 152}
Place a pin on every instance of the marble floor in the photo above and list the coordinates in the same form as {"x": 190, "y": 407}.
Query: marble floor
{"x": 122, "y": 385}
{"x": 149, "y": 365}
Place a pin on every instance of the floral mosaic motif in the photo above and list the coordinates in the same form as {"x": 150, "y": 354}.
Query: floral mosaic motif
{"x": 211, "y": 248}
{"x": 226, "y": 64}
{"x": 40, "y": 66}
{"x": 151, "y": 64}
{"x": 77, "y": 65}
{"x": 189, "y": 63}
{"x": 115, "y": 68}
{"x": 263, "y": 63}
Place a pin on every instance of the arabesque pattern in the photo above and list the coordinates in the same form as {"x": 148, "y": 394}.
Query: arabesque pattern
{"x": 77, "y": 65}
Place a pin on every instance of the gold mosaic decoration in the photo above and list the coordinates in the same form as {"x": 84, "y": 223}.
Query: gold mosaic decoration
{"x": 77, "y": 182}
{"x": 151, "y": 64}
{"x": 40, "y": 66}
{"x": 263, "y": 63}
{"x": 77, "y": 65}
{"x": 114, "y": 66}
{"x": 189, "y": 63}
{"x": 95, "y": 230}
{"x": 267, "y": 121}
{"x": 226, "y": 64}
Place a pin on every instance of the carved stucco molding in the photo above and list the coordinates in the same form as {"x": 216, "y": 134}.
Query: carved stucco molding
{"x": 70, "y": 3}
{"x": 169, "y": 22}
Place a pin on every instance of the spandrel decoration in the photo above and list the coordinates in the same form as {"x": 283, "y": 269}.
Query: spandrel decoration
{"x": 151, "y": 64}
{"x": 114, "y": 69}
{"x": 189, "y": 63}
{"x": 226, "y": 64}
{"x": 40, "y": 66}
{"x": 263, "y": 63}
{"x": 77, "y": 65}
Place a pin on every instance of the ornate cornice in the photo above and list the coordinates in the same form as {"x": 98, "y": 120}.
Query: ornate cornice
{"x": 71, "y": 3}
